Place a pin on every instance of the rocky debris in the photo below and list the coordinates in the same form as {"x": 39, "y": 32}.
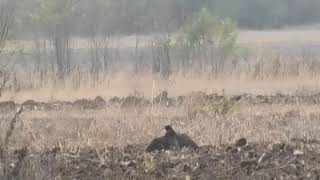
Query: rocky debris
{"x": 195, "y": 99}
{"x": 171, "y": 141}
{"x": 32, "y": 105}
{"x": 133, "y": 101}
{"x": 29, "y": 102}
{"x": 202, "y": 99}
{"x": 196, "y": 102}
{"x": 137, "y": 100}
{"x": 7, "y": 106}
{"x": 99, "y": 103}
{"x": 85, "y": 104}
{"x": 58, "y": 105}
{"x": 82, "y": 104}
{"x": 115, "y": 100}
{"x": 278, "y": 98}
{"x": 235, "y": 98}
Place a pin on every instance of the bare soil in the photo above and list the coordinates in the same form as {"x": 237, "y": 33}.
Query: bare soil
{"x": 299, "y": 160}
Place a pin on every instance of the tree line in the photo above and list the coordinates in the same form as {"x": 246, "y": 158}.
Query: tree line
{"x": 84, "y": 18}
{"x": 205, "y": 42}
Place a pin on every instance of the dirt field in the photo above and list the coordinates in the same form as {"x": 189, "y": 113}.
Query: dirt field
{"x": 106, "y": 138}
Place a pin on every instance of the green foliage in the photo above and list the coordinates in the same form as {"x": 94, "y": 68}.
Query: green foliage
{"x": 228, "y": 35}
{"x": 201, "y": 28}
{"x": 204, "y": 28}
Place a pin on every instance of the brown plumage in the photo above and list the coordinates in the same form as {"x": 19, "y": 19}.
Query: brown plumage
{"x": 171, "y": 141}
{"x": 241, "y": 142}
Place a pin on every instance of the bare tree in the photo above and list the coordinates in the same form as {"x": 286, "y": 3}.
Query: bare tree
{"x": 6, "y": 20}
{"x": 4, "y": 77}
{"x": 104, "y": 53}
{"x": 57, "y": 16}
{"x": 161, "y": 56}
{"x": 63, "y": 53}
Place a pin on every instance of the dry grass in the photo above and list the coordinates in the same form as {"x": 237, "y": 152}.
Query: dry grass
{"x": 123, "y": 84}
{"x": 69, "y": 130}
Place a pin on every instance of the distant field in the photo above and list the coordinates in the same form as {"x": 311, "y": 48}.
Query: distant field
{"x": 246, "y": 38}
{"x": 280, "y": 36}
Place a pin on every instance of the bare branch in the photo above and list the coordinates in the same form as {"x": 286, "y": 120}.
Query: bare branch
{"x": 6, "y": 20}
